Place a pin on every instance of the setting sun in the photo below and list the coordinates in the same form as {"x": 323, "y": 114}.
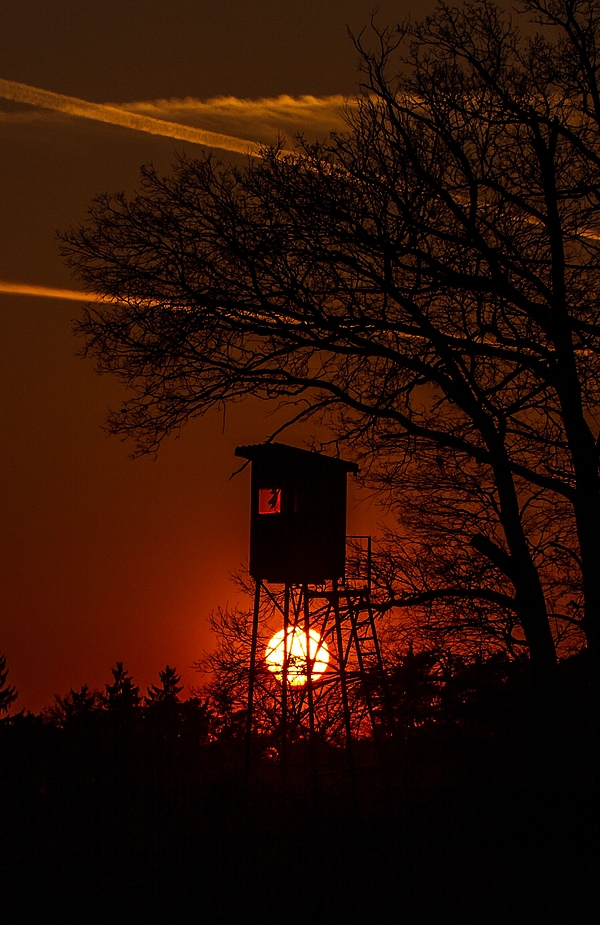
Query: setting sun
{"x": 296, "y": 655}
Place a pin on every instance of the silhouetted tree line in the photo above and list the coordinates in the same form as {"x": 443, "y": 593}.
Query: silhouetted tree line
{"x": 114, "y": 803}
{"x": 421, "y": 691}
{"x": 121, "y": 710}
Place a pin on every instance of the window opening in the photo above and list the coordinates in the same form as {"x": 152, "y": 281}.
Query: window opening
{"x": 269, "y": 501}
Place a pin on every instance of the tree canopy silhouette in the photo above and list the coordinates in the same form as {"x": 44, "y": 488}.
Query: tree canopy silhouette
{"x": 426, "y": 283}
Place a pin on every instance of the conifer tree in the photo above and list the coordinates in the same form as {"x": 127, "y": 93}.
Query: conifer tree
{"x": 122, "y": 696}
{"x": 170, "y": 690}
{"x": 74, "y": 708}
{"x": 8, "y": 694}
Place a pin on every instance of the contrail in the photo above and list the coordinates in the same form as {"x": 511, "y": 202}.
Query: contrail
{"x": 100, "y": 112}
{"x": 49, "y": 292}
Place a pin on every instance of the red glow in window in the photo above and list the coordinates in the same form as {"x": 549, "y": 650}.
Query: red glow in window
{"x": 269, "y": 501}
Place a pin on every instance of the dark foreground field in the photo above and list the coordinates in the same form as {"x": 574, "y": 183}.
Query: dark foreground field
{"x": 484, "y": 820}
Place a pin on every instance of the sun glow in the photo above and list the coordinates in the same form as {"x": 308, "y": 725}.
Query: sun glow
{"x": 297, "y": 669}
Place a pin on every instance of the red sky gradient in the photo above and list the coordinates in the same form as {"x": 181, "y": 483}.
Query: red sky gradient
{"x": 105, "y": 558}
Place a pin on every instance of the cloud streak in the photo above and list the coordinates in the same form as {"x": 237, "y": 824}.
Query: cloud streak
{"x": 238, "y": 124}
{"x": 115, "y": 115}
{"x": 264, "y": 118}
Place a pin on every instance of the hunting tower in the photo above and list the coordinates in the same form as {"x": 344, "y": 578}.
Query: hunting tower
{"x": 298, "y": 541}
{"x": 298, "y": 514}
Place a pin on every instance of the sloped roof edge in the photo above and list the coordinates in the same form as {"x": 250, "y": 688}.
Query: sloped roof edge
{"x": 283, "y": 450}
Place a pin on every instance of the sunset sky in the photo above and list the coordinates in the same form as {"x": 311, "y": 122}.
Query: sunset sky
{"x": 104, "y": 557}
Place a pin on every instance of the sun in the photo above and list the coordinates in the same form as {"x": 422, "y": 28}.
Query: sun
{"x": 296, "y": 655}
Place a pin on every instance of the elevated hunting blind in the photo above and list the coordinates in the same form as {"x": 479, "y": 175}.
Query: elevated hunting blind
{"x": 298, "y": 514}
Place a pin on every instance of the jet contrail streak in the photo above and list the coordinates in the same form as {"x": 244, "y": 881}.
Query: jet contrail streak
{"x": 100, "y": 112}
{"x": 48, "y": 292}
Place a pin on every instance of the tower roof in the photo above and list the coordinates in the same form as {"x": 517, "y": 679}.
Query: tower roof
{"x": 283, "y": 453}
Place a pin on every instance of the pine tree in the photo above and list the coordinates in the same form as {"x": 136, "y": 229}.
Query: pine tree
{"x": 75, "y": 709}
{"x": 163, "y": 706}
{"x": 122, "y": 696}
{"x": 170, "y": 690}
{"x": 8, "y": 694}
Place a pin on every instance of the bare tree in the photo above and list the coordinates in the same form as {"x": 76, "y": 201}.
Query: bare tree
{"x": 451, "y": 595}
{"x": 426, "y": 283}
{"x": 226, "y": 669}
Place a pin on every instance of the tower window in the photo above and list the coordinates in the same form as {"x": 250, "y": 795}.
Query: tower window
{"x": 269, "y": 501}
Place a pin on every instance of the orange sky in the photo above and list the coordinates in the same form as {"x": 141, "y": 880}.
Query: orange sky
{"x": 105, "y": 558}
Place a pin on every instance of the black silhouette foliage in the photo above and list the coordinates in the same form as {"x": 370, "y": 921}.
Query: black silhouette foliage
{"x": 169, "y": 690}
{"x": 8, "y": 693}
{"x": 74, "y": 708}
{"x": 122, "y": 696}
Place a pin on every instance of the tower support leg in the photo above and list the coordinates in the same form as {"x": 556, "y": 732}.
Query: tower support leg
{"x": 353, "y": 616}
{"x": 251, "y": 682}
{"x": 312, "y": 745}
{"x": 283, "y": 754}
{"x": 344, "y": 692}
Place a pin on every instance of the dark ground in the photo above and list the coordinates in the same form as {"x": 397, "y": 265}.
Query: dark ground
{"x": 482, "y": 819}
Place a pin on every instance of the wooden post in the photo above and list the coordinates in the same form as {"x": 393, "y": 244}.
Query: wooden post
{"x": 344, "y": 691}
{"x": 251, "y": 681}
